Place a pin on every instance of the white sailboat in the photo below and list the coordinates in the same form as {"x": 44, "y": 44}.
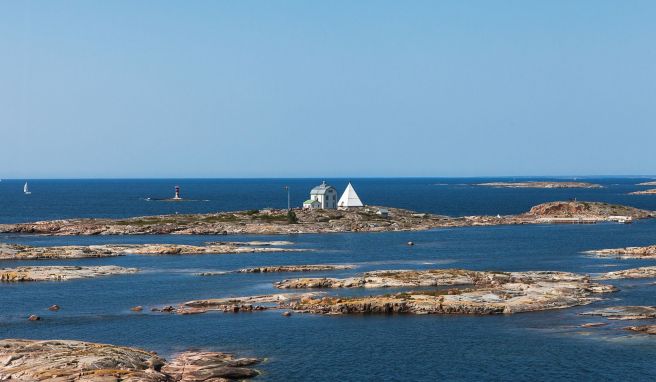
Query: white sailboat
{"x": 26, "y": 190}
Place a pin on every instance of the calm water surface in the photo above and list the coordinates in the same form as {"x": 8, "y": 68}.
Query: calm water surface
{"x": 536, "y": 346}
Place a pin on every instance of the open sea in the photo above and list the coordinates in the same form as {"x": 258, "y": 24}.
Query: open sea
{"x": 541, "y": 346}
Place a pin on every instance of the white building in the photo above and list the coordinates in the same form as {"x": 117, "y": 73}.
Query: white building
{"x": 325, "y": 194}
{"x": 349, "y": 198}
{"x": 311, "y": 204}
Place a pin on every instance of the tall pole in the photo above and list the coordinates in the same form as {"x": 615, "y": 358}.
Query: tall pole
{"x": 289, "y": 199}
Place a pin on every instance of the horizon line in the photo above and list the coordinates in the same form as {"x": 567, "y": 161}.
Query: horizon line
{"x": 646, "y": 176}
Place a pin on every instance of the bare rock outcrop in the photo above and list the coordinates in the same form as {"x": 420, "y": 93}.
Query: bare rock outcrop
{"x": 632, "y": 273}
{"x": 484, "y": 292}
{"x": 648, "y": 252}
{"x": 60, "y": 273}
{"x": 69, "y": 361}
{"x": 587, "y": 210}
{"x": 645, "y": 329}
{"x": 644, "y": 192}
{"x": 238, "y": 304}
{"x": 541, "y": 185}
{"x": 624, "y": 312}
{"x": 26, "y": 252}
{"x": 295, "y": 268}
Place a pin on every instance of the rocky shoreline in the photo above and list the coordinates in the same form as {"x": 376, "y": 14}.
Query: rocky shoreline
{"x": 60, "y": 273}
{"x": 632, "y": 273}
{"x": 65, "y": 360}
{"x": 540, "y": 185}
{"x": 648, "y": 252}
{"x": 473, "y": 292}
{"x": 644, "y": 192}
{"x": 26, "y": 252}
{"x": 367, "y": 219}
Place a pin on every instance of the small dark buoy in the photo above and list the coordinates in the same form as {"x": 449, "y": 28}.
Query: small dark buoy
{"x": 411, "y": 243}
{"x": 54, "y": 308}
{"x": 34, "y": 317}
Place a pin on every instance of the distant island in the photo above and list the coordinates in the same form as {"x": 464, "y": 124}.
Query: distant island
{"x": 540, "y": 185}
{"x": 651, "y": 183}
{"x": 644, "y": 192}
{"x": 297, "y": 221}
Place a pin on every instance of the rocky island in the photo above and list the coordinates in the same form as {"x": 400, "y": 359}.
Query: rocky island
{"x": 624, "y": 312}
{"x": 650, "y": 183}
{"x": 473, "y": 292}
{"x": 632, "y": 273}
{"x": 365, "y": 219}
{"x": 644, "y": 192}
{"x": 295, "y": 268}
{"x": 648, "y": 252}
{"x": 60, "y": 273}
{"x": 534, "y": 184}
{"x": 69, "y": 361}
{"x": 26, "y": 252}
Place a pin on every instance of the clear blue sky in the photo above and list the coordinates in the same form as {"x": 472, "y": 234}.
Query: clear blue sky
{"x": 322, "y": 89}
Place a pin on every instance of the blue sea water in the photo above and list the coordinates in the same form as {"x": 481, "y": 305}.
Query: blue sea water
{"x": 540, "y": 346}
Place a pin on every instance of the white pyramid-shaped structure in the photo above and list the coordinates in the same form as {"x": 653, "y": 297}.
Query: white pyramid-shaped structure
{"x": 349, "y": 198}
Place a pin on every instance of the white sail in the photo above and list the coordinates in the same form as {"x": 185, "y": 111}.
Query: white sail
{"x": 26, "y": 189}
{"x": 349, "y": 198}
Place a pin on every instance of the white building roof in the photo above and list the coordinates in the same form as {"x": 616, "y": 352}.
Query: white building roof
{"x": 321, "y": 189}
{"x": 349, "y": 198}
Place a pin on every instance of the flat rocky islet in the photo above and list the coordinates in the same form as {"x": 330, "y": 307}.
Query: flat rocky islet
{"x": 479, "y": 293}
{"x": 60, "y": 273}
{"x": 366, "y": 219}
{"x": 26, "y": 252}
{"x": 644, "y": 192}
{"x": 644, "y": 329}
{"x": 647, "y": 252}
{"x": 283, "y": 269}
{"x": 537, "y": 184}
{"x": 624, "y": 312}
{"x": 63, "y": 360}
{"x": 476, "y": 292}
{"x": 650, "y": 183}
{"x": 632, "y": 273}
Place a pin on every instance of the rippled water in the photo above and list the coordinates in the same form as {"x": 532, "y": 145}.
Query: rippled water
{"x": 539, "y": 346}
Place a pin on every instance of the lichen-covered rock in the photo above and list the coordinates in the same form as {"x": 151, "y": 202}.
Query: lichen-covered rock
{"x": 68, "y": 361}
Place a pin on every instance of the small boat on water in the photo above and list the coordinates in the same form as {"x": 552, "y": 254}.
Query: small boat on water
{"x": 26, "y": 190}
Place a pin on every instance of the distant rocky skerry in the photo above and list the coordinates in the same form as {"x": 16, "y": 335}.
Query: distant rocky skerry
{"x": 644, "y": 192}
{"x": 26, "y": 252}
{"x": 367, "y": 219}
{"x": 60, "y": 273}
{"x": 69, "y": 361}
{"x": 540, "y": 185}
{"x": 648, "y": 252}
